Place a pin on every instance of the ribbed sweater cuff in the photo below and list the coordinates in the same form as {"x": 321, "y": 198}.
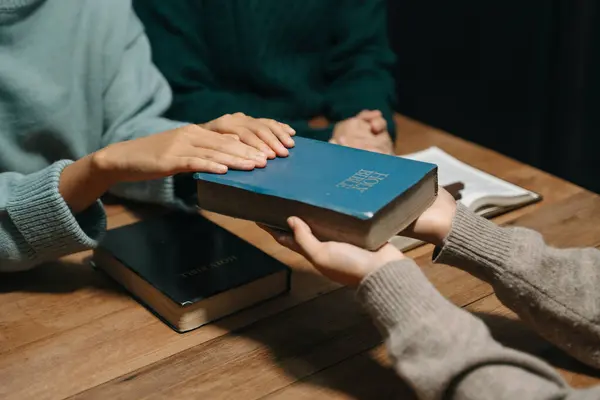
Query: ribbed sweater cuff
{"x": 44, "y": 219}
{"x": 16, "y": 5}
{"x": 473, "y": 240}
{"x": 399, "y": 293}
{"x": 12, "y": 11}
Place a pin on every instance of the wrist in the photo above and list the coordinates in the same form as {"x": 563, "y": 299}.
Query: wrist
{"x": 386, "y": 255}
{"x": 79, "y": 186}
{"x": 444, "y": 225}
{"x": 102, "y": 168}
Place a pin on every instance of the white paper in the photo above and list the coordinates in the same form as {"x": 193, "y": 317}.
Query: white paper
{"x": 478, "y": 184}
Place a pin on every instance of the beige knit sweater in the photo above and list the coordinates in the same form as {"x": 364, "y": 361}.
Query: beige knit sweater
{"x": 444, "y": 352}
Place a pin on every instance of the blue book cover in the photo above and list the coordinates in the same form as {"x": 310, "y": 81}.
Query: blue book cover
{"x": 349, "y": 181}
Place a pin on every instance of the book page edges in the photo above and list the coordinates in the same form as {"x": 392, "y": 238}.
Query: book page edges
{"x": 360, "y": 214}
{"x": 188, "y": 316}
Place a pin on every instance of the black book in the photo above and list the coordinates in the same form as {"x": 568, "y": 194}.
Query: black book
{"x": 188, "y": 270}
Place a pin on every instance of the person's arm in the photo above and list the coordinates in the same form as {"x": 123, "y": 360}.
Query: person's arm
{"x": 42, "y": 217}
{"x": 55, "y": 211}
{"x": 360, "y": 61}
{"x": 442, "y": 351}
{"x": 136, "y": 96}
{"x": 555, "y": 291}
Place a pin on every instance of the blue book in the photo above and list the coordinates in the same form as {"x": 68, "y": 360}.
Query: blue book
{"x": 344, "y": 194}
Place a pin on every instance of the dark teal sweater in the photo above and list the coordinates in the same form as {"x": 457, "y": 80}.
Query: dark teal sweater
{"x": 291, "y": 60}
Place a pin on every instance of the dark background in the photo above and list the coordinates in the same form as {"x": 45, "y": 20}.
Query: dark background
{"x": 520, "y": 77}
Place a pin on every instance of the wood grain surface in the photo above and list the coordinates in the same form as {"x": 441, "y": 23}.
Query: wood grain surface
{"x": 68, "y": 331}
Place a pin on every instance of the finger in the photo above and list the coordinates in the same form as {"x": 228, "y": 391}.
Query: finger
{"x": 384, "y": 142}
{"x": 204, "y": 138}
{"x": 362, "y": 128}
{"x": 287, "y": 240}
{"x": 228, "y": 160}
{"x": 288, "y": 129}
{"x": 283, "y": 238}
{"x": 264, "y": 133}
{"x": 378, "y": 125}
{"x": 182, "y": 165}
{"x": 374, "y": 149}
{"x": 278, "y": 129}
{"x": 388, "y": 253}
{"x": 303, "y": 236}
{"x": 214, "y": 141}
{"x": 231, "y": 136}
{"x": 369, "y": 114}
{"x": 248, "y": 137}
{"x": 358, "y": 142}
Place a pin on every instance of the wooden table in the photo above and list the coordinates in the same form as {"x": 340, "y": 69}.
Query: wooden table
{"x": 67, "y": 331}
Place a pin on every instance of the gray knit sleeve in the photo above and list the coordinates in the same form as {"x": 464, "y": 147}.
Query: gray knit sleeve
{"x": 36, "y": 224}
{"x": 444, "y": 352}
{"x": 555, "y": 291}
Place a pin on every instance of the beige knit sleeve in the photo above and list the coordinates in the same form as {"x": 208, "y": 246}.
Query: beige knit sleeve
{"x": 555, "y": 291}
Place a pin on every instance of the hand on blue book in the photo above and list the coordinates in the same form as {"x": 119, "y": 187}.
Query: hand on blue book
{"x": 348, "y": 264}
{"x": 267, "y": 135}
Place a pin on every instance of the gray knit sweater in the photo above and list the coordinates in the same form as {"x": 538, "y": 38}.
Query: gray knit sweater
{"x": 444, "y": 352}
{"x": 75, "y": 76}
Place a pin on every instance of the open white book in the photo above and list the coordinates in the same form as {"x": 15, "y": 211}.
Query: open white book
{"x": 483, "y": 193}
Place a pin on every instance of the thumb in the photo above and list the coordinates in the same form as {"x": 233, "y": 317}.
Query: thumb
{"x": 304, "y": 236}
